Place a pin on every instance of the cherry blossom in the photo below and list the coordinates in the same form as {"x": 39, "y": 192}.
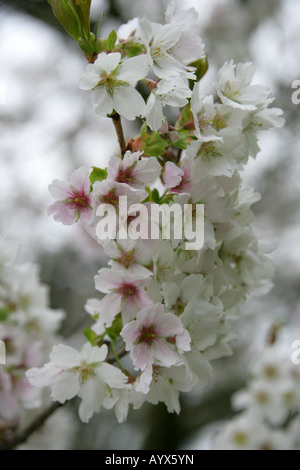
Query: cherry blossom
{"x": 73, "y": 198}
{"x": 113, "y": 82}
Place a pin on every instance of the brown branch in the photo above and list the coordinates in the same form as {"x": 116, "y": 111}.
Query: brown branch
{"x": 34, "y": 426}
{"x": 42, "y": 418}
{"x": 116, "y": 118}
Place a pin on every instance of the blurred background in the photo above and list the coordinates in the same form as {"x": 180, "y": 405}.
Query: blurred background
{"x": 48, "y": 129}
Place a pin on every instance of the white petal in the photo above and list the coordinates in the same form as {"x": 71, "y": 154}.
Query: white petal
{"x": 103, "y": 101}
{"x": 59, "y": 189}
{"x": 133, "y": 69}
{"x": 92, "y": 354}
{"x": 64, "y": 356}
{"x": 44, "y": 376}
{"x": 90, "y": 79}
{"x": 111, "y": 375}
{"x": 65, "y": 387}
{"x": 145, "y": 30}
{"x": 108, "y": 62}
{"x": 107, "y": 279}
{"x": 168, "y": 35}
{"x": 128, "y": 102}
{"x": 185, "y": 17}
{"x": 92, "y": 394}
{"x": 154, "y": 113}
{"x": 109, "y": 308}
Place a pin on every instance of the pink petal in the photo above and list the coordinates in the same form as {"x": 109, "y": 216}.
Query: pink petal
{"x": 107, "y": 280}
{"x": 173, "y": 175}
{"x": 142, "y": 355}
{"x": 164, "y": 353}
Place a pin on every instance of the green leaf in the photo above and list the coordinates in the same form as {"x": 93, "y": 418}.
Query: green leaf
{"x": 91, "y": 336}
{"x": 4, "y": 314}
{"x": 133, "y": 49}
{"x": 83, "y": 8}
{"x": 115, "y": 329}
{"x": 89, "y": 47}
{"x": 185, "y": 117}
{"x": 201, "y": 66}
{"x": 153, "y": 144}
{"x": 67, "y": 17}
{"x": 111, "y": 40}
{"x": 98, "y": 174}
{"x": 155, "y": 196}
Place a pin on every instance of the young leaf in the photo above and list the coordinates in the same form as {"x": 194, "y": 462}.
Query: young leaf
{"x": 201, "y": 66}
{"x": 83, "y": 8}
{"x": 155, "y": 196}
{"x": 98, "y": 174}
{"x": 153, "y": 144}
{"x": 67, "y": 17}
{"x": 91, "y": 336}
{"x": 111, "y": 40}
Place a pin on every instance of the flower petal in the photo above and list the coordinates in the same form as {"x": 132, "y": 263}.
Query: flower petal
{"x": 64, "y": 356}
{"x": 128, "y": 102}
{"x": 134, "y": 69}
{"x": 103, "y": 101}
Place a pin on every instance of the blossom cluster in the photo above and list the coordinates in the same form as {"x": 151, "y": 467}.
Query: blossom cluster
{"x": 268, "y": 417}
{"x": 28, "y": 330}
{"x": 166, "y": 308}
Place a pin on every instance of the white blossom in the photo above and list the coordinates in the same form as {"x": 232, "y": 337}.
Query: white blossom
{"x": 113, "y": 82}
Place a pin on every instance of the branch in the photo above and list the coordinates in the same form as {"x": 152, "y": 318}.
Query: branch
{"x": 42, "y": 418}
{"x": 34, "y": 426}
{"x": 116, "y": 118}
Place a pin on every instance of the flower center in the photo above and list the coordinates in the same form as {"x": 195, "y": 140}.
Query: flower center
{"x": 108, "y": 81}
{"x": 240, "y": 438}
{"x": 232, "y": 89}
{"x": 111, "y": 198}
{"x": 157, "y": 51}
{"x": 147, "y": 335}
{"x": 127, "y": 258}
{"x": 208, "y": 151}
{"x": 80, "y": 200}
{"x": 125, "y": 175}
{"x": 128, "y": 290}
{"x": 271, "y": 371}
{"x": 85, "y": 371}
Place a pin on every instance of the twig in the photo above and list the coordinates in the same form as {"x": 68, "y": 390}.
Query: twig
{"x": 116, "y": 118}
{"x": 34, "y": 426}
{"x": 179, "y": 155}
{"x": 42, "y": 418}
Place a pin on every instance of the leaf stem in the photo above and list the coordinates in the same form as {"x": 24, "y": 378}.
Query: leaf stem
{"x": 116, "y": 355}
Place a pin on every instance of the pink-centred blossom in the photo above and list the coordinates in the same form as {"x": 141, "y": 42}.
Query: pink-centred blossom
{"x": 178, "y": 178}
{"x": 134, "y": 169}
{"x": 155, "y": 337}
{"x": 125, "y": 292}
{"x": 73, "y": 198}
